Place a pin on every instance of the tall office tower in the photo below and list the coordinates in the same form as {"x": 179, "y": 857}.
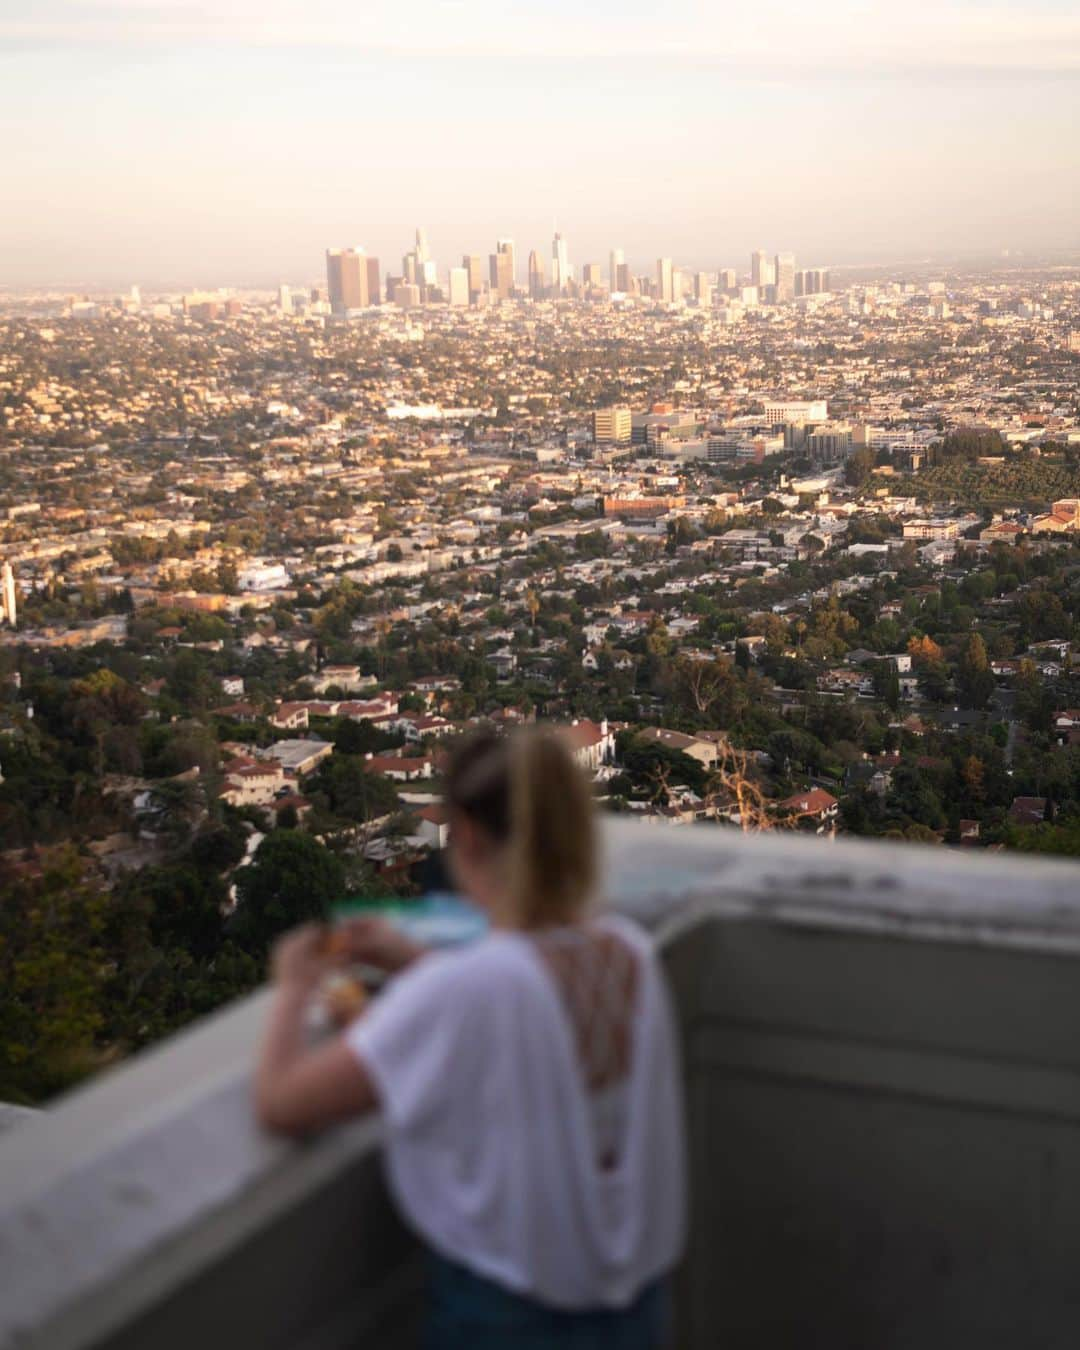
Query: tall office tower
{"x": 762, "y": 271}
{"x": 612, "y": 426}
{"x": 822, "y": 279}
{"x": 507, "y": 246}
{"x": 784, "y": 278}
{"x": 592, "y": 275}
{"x": 537, "y": 283}
{"x": 284, "y": 299}
{"x": 625, "y": 282}
{"x": 473, "y": 264}
{"x": 726, "y": 278}
{"x": 406, "y": 294}
{"x": 459, "y": 286}
{"x": 808, "y": 281}
{"x": 502, "y": 281}
{"x": 560, "y": 264}
{"x": 616, "y": 260}
{"x": 7, "y": 595}
{"x": 410, "y": 269}
{"x": 346, "y": 279}
{"x": 703, "y": 289}
{"x": 421, "y": 246}
{"x": 371, "y": 276}
{"x": 374, "y": 289}
{"x": 135, "y": 296}
{"x": 665, "y": 289}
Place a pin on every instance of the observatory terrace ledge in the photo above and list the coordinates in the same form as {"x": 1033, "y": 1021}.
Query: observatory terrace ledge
{"x": 881, "y": 1047}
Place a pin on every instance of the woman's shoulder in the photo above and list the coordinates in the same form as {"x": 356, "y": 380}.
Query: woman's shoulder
{"x": 472, "y": 965}
{"x": 631, "y": 932}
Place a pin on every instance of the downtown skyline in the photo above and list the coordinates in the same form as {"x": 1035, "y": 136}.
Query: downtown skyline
{"x": 227, "y": 148}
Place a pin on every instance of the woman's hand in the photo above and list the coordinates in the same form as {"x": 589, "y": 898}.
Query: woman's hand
{"x": 375, "y": 941}
{"x": 302, "y": 957}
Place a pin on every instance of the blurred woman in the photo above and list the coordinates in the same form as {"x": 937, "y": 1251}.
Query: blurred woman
{"x": 529, "y": 1082}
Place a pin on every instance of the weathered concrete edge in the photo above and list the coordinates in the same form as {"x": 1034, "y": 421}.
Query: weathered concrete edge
{"x": 675, "y": 875}
{"x": 125, "y": 1188}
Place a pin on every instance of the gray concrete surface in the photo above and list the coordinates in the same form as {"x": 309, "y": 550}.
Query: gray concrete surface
{"x": 884, "y": 1103}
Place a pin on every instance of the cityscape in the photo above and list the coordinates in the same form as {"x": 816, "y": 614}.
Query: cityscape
{"x": 779, "y": 548}
{"x": 539, "y": 675}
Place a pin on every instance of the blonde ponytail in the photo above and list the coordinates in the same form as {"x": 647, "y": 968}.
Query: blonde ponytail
{"x": 531, "y": 798}
{"x": 552, "y": 846}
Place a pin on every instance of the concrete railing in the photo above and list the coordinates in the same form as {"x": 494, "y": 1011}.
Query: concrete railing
{"x": 884, "y": 1097}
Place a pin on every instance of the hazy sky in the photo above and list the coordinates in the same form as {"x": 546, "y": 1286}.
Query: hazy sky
{"x": 214, "y": 141}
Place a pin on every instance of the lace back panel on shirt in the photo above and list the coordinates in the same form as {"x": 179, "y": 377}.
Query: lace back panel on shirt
{"x": 596, "y": 974}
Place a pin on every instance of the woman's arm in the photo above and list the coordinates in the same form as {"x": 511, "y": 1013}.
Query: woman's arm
{"x": 299, "y": 1090}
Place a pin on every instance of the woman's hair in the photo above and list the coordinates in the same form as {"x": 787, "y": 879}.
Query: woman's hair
{"x": 527, "y": 793}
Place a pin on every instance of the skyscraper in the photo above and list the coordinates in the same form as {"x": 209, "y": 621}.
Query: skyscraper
{"x": 346, "y": 279}
{"x": 7, "y": 595}
{"x": 507, "y": 246}
{"x": 665, "y": 289}
{"x": 759, "y": 269}
{"x": 617, "y": 260}
{"x": 501, "y": 278}
{"x": 625, "y": 280}
{"x": 473, "y": 264}
{"x": 784, "y": 277}
{"x": 374, "y": 286}
{"x": 421, "y": 247}
{"x": 406, "y": 295}
{"x": 726, "y": 278}
{"x": 459, "y": 286}
{"x": 560, "y": 264}
{"x": 591, "y": 276}
{"x": 612, "y": 426}
{"x": 537, "y": 284}
{"x": 284, "y": 299}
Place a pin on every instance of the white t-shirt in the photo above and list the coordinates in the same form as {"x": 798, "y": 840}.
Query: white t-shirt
{"x": 491, "y": 1131}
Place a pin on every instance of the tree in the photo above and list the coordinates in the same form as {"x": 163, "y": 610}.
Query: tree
{"x": 679, "y": 532}
{"x": 973, "y": 776}
{"x": 707, "y": 686}
{"x": 859, "y": 467}
{"x": 352, "y": 792}
{"x": 292, "y": 879}
{"x": 975, "y": 680}
{"x": 184, "y": 907}
{"x": 912, "y": 795}
{"x": 227, "y": 578}
{"x": 352, "y": 737}
{"x": 924, "y": 650}
{"x": 892, "y": 688}
{"x": 52, "y": 978}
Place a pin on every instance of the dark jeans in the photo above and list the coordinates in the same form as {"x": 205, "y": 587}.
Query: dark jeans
{"x": 467, "y": 1312}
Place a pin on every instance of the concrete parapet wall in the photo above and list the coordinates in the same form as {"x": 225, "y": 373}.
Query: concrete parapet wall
{"x": 884, "y": 1098}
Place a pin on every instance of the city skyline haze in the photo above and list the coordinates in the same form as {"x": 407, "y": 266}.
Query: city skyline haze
{"x": 163, "y": 141}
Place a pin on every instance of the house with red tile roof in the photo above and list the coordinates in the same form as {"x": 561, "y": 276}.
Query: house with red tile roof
{"x": 813, "y": 804}
{"x": 591, "y": 743}
{"x": 402, "y": 768}
{"x": 289, "y": 716}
